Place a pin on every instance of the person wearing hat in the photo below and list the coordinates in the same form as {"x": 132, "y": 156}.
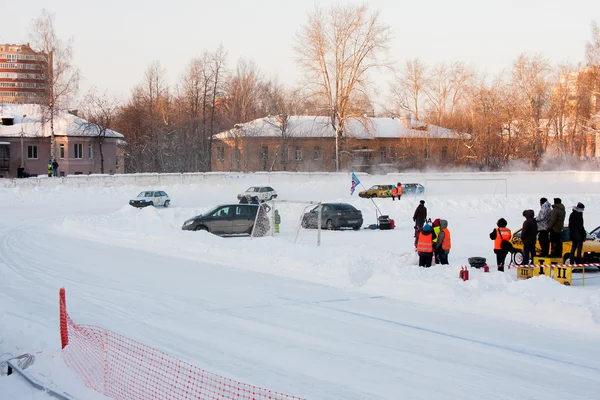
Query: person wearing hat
{"x": 420, "y": 215}
{"x": 542, "y": 219}
{"x": 425, "y": 246}
{"x": 577, "y": 233}
{"x": 556, "y": 225}
{"x": 529, "y": 236}
{"x": 499, "y": 235}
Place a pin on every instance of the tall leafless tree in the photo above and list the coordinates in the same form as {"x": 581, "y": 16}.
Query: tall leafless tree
{"x": 408, "y": 92}
{"x": 99, "y": 112}
{"x": 337, "y": 49}
{"x": 61, "y": 76}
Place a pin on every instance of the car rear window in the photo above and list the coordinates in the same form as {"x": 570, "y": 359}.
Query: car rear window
{"x": 345, "y": 207}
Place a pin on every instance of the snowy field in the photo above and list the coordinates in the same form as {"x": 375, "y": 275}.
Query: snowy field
{"x": 355, "y": 318}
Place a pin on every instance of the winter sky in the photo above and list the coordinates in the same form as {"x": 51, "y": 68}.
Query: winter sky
{"x": 114, "y": 41}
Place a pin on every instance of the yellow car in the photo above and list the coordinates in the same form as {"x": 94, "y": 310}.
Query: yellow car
{"x": 590, "y": 253}
{"x": 377, "y": 191}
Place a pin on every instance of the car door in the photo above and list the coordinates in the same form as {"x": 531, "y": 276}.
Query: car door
{"x": 157, "y": 199}
{"x": 221, "y": 220}
{"x": 242, "y": 219}
{"x": 325, "y": 214}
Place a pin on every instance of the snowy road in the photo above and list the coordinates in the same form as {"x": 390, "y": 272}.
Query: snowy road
{"x": 294, "y": 336}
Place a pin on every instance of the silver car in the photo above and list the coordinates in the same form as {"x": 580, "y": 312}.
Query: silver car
{"x": 229, "y": 219}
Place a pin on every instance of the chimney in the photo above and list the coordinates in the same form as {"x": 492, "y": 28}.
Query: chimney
{"x": 406, "y": 121}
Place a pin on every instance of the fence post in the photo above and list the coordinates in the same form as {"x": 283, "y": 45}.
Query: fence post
{"x": 64, "y": 333}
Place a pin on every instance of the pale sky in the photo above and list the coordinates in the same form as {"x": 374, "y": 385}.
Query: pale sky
{"x": 114, "y": 41}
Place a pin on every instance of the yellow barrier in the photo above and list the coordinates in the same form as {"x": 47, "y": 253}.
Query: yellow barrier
{"x": 552, "y": 268}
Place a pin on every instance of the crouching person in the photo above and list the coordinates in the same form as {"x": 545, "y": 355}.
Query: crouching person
{"x": 443, "y": 243}
{"x": 425, "y": 246}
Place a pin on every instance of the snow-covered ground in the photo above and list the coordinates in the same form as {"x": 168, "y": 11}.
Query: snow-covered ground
{"x": 352, "y": 319}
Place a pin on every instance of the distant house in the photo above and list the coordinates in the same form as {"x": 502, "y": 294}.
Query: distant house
{"x": 25, "y": 140}
{"x": 307, "y": 143}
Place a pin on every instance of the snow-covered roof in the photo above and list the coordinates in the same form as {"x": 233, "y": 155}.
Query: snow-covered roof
{"x": 65, "y": 124}
{"x": 357, "y": 128}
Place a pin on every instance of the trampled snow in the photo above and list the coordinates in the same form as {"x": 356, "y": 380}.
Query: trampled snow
{"x": 355, "y": 318}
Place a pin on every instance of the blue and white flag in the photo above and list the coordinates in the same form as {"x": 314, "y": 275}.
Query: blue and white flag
{"x": 355, "y": 182}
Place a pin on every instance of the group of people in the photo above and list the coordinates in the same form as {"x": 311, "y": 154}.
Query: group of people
{"x": 397, "y": 192}
{"x": 52, "y": 168}
{"x": 433, "y": 242}
{"x": 546, "y": 228}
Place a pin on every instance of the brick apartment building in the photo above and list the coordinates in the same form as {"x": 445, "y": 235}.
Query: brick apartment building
{"x": 307, "y": 143}
{"x": 22, "y": 74}
{"x": 25, "y": 140}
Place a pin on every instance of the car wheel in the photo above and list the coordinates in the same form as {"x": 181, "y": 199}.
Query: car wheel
{"x": 356, "y": 227}
{"x": 374, "y": 195}
{"x": 167, "y": 203}
{"x": 567, "y": 259}
{"x": 518, "y": 257}
{"x": 152, "y": 203}
{"x": 201, "y": 228}
{"x": 329, "y": 225}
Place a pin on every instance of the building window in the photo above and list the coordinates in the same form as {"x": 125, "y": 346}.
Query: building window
{"x": 298, "y": 154}
{"x": 426, "y": 154}
{"x": 90, "y": 151}
{"x": 285, "y": 153}
{"x": 32, "y": 152}
{"x": 383, "y": 153}
{"x": 220, "y": 153}
{"x": 236, "y": 155}
{"x": 264, "y": 152}
{"x": 61, "y": 151}
{"x": 78, "y": 150}
{"x": 444, "y": 153}
{"x": 318, "y": 153}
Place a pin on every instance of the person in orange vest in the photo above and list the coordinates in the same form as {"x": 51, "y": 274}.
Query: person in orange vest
{"x": 500, "y": 235}
{"x": 425, "y": 246}
{"x": 394, "y": 193}
{"x": 399, "y": 190}
{"x": 443, "y": 243}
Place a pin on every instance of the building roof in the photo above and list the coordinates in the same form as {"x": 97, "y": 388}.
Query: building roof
{"x": 357, "y": 128}
{"x": 65, "y": 124}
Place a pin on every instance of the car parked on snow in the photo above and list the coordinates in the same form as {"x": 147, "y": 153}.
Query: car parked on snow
{"x": 151, "y": 198}
{"x": 590, "y": 253}
{"x": 376, "y": 191}
{"x": 334, "y": 216}
{"x": 228, "y": 219}
{"x": 261, "y": 193}
{"x": 412, "y": 188}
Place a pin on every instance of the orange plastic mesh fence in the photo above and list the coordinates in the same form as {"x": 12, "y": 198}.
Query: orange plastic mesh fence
{"x": 122, "y": 368}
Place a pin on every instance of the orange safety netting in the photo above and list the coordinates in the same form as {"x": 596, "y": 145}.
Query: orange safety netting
{"x": 122, "y": 368}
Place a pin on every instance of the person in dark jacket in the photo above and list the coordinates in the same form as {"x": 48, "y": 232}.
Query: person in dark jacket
{"x": 577, "y": 233}
{"x": 420, "y": 214}
{"x": 556, "y": 225}
{"x": 542, "y": 219}
{"x": 244, "y": 200}
{"x": 529, "y": 236}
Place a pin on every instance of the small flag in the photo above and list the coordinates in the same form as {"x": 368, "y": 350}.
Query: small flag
{"x": 355, "y": 182}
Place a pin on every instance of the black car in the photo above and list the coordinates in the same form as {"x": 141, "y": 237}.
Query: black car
{"x": 334, "y": 216}
{"x": 230, "y": 219}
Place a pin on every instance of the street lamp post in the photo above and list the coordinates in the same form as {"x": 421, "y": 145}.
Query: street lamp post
{"x": 22, "y": 154}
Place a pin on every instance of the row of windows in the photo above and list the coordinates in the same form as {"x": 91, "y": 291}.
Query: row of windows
{"x": 29, "y": 85}
{"x": 16, "y": 75}
{"x": 19, "y": 66}
{"x": 32, "y": 151}
{"x": 384, "y": 153}
{"x": 19, "y": 94}
{"x": 14, "y": 57}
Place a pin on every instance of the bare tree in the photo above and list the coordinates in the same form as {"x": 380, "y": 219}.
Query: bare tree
{"x": 337, "y": 50}
{"x": 99, "y": 111}
{"x": 592, "y": 48}
{"x": 61, "y": 77}
{"x": 409, "y": 89}
{"x": 219, "y": 71}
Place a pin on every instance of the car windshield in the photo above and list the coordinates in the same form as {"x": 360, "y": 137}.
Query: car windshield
{"x": 344, "y": 207}
{"x": 210, "y": 211}
{"x": 145, "y": 194}
{"x": 374, "y": 187}
{"x": 252, "y": 189}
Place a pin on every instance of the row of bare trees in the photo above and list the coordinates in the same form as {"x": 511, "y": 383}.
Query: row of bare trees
{"x": 530, "y": 110}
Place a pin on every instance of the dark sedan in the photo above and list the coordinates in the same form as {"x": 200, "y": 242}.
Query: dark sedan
{"x": 334, "y": 216}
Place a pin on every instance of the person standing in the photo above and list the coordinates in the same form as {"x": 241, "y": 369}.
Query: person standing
{"x": 399, "y": 190}
{"x": 443, "y": 243}
{"x": 577, "y": 233}
{"x": 50, "y": 168}
{"x": 54, "y": 168}
{"x": 420, "y": 214}
{"x": 529, "y": 236}
{"x": 543, "y": 219}
{"x": 498, "y": 235}
{"x": 394, "y": 193}
{"x": 425, "y": 246}
{"x": 436, "y": 230}
{"x": 556, "y": 225}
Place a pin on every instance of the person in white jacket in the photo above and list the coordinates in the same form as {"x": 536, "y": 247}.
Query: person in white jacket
{"x": 543, "y": 219}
